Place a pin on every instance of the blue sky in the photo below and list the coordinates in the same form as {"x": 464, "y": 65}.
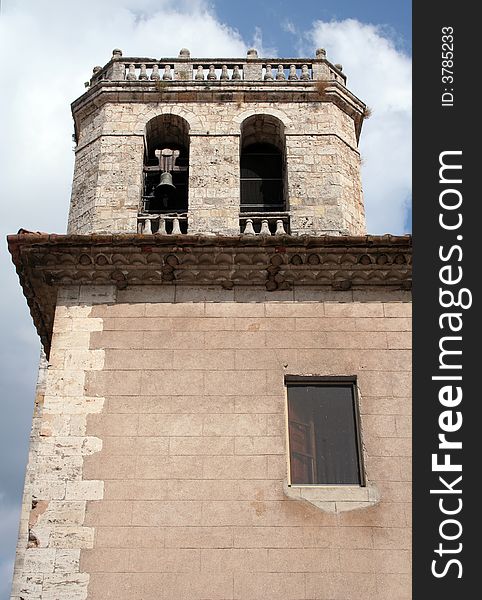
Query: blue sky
{"x": 50, "y": 47}
{"x": 272, "y": 18}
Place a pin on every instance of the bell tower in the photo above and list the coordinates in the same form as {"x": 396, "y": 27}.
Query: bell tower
{"x": 217, "y": 147}
{"x": 224, "y": 408}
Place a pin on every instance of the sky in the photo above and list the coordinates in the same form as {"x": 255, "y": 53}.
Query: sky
{"x": 48, "y": 49}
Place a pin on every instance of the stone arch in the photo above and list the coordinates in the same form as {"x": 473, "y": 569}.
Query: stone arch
{"x": 166, "y": 129}
{"x": 166, "y": 165}
{"x": 273, "y": 112}
{"x": 194, "y": 121}
{"x": 263, "y": 176}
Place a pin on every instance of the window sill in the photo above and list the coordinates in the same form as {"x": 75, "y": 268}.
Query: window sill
{"x": 334, "y": 498}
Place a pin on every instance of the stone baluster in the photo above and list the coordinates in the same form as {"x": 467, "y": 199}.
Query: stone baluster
{"x": 292, "y": 74}
{"x": 212, "y": 73}
{"x": 143, "y": 74}
{"x": 155, "y": 76}
{"x": 162, "y": 226}
{"x": 176, "y": 230}
{"x": 140, "y": 226}
{"x": 147, "y": 226}
{"x": 305, "y": 75}
{"x": 280, "y": 229}
{"x": 199, "y": 74}
{"x": 167, "y": 73}
{"x": 236, "y": 74}
{"x": 248, "y": 228}
{"x": 268, "y": 76}
{"x": 264, "y": 228}
{"x": 224, "y": 73}
{"x": 131, "y": 74}
{"x": 280, "y": 75}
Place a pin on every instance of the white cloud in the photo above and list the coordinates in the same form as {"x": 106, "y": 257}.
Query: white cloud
{"x": 380, "y": 75}
{"x": 289, "y": 26}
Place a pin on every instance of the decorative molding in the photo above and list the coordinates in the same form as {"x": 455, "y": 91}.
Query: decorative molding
{"x": 334, "y": 498}
{"x": 46, "y": 262}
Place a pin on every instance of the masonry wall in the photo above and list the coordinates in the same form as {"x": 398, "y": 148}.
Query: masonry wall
{"x": 161, "y": 451}
{"x": 323, "y": 165}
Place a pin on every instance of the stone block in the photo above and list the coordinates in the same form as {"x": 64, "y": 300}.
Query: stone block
{"x": 118, "y": 383}
{"x": 171, "y": 425}
{"x": 232, "y": 383}
{"x": 235, "y": 424}
{"x": 248, "y": 560}
{"x": 199, "y": 446}
{"x": 354, "y": 309}
{"x": 169, "y": 467}
{"x": 399, "y": 340}
{"x": 398, "y": 309}
{"x": 234, "y": 309}
{"x": 236, "y": 339}
{"x": 160, "y": 560}
{"x": 84, "y": 490}
{"x": 166, "y": 513}
{"x": 260, "y": 445}
{"x": 71, "y": 537}
{"x": 270, "y": 586}
{"x": 114, "y": 560}
{"x": 206, "y": 360}
{"x": 108, "y": 513}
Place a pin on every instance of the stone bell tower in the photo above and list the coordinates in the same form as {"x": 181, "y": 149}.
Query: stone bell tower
{"x": 295, "y": 121}
{"x": 224, "y": 408}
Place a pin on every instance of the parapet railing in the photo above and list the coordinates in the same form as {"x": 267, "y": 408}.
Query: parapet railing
{"x": 185, "y": 68}
{"x": 163, "y": 224}
{"x": 264, "y": 223}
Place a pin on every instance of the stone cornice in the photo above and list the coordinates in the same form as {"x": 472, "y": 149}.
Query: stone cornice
{"x": 104, "y": 91}
{"x": 44, "y": 262}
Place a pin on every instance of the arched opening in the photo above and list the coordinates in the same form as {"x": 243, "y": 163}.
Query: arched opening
{"x": 166, "y": 172}
{"x": 263, "y": 172}
{"x": 261, "y": 178}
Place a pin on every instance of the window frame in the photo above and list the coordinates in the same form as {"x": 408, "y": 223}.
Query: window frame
{"x": 327, "y": 381}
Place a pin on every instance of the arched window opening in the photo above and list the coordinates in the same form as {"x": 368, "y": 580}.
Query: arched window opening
{"x": 261, "y": 179}
{"x": 166, "y": 173}
{"x": 263, "y": 176}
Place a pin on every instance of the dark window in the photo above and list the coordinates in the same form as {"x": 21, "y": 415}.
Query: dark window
{"x": 261, "y": 179}
{"x": 323, "y": 431}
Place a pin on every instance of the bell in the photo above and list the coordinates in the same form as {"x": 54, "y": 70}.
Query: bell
{"x": 166, "y": 181}
{"x": 165, "y": 190}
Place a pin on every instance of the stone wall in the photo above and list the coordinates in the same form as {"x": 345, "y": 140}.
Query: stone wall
{"x": 161, "y": 455}
{"x": 323, "y": 165}
{"x": 53, "y": 531}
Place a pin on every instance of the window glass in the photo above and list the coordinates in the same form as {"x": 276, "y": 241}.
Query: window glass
{"x": 323, "y": 436}
{"x": 261, "y": 179}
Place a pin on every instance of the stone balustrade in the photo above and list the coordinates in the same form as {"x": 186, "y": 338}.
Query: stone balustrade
{"x": 163, "y": 224}
{"x": 249, "y": 223}
{"x": 184, "y": 68}
{"x": 264, "y": 223}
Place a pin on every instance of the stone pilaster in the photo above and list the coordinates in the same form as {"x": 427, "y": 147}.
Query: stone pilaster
{"x": 52, "y": 532}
